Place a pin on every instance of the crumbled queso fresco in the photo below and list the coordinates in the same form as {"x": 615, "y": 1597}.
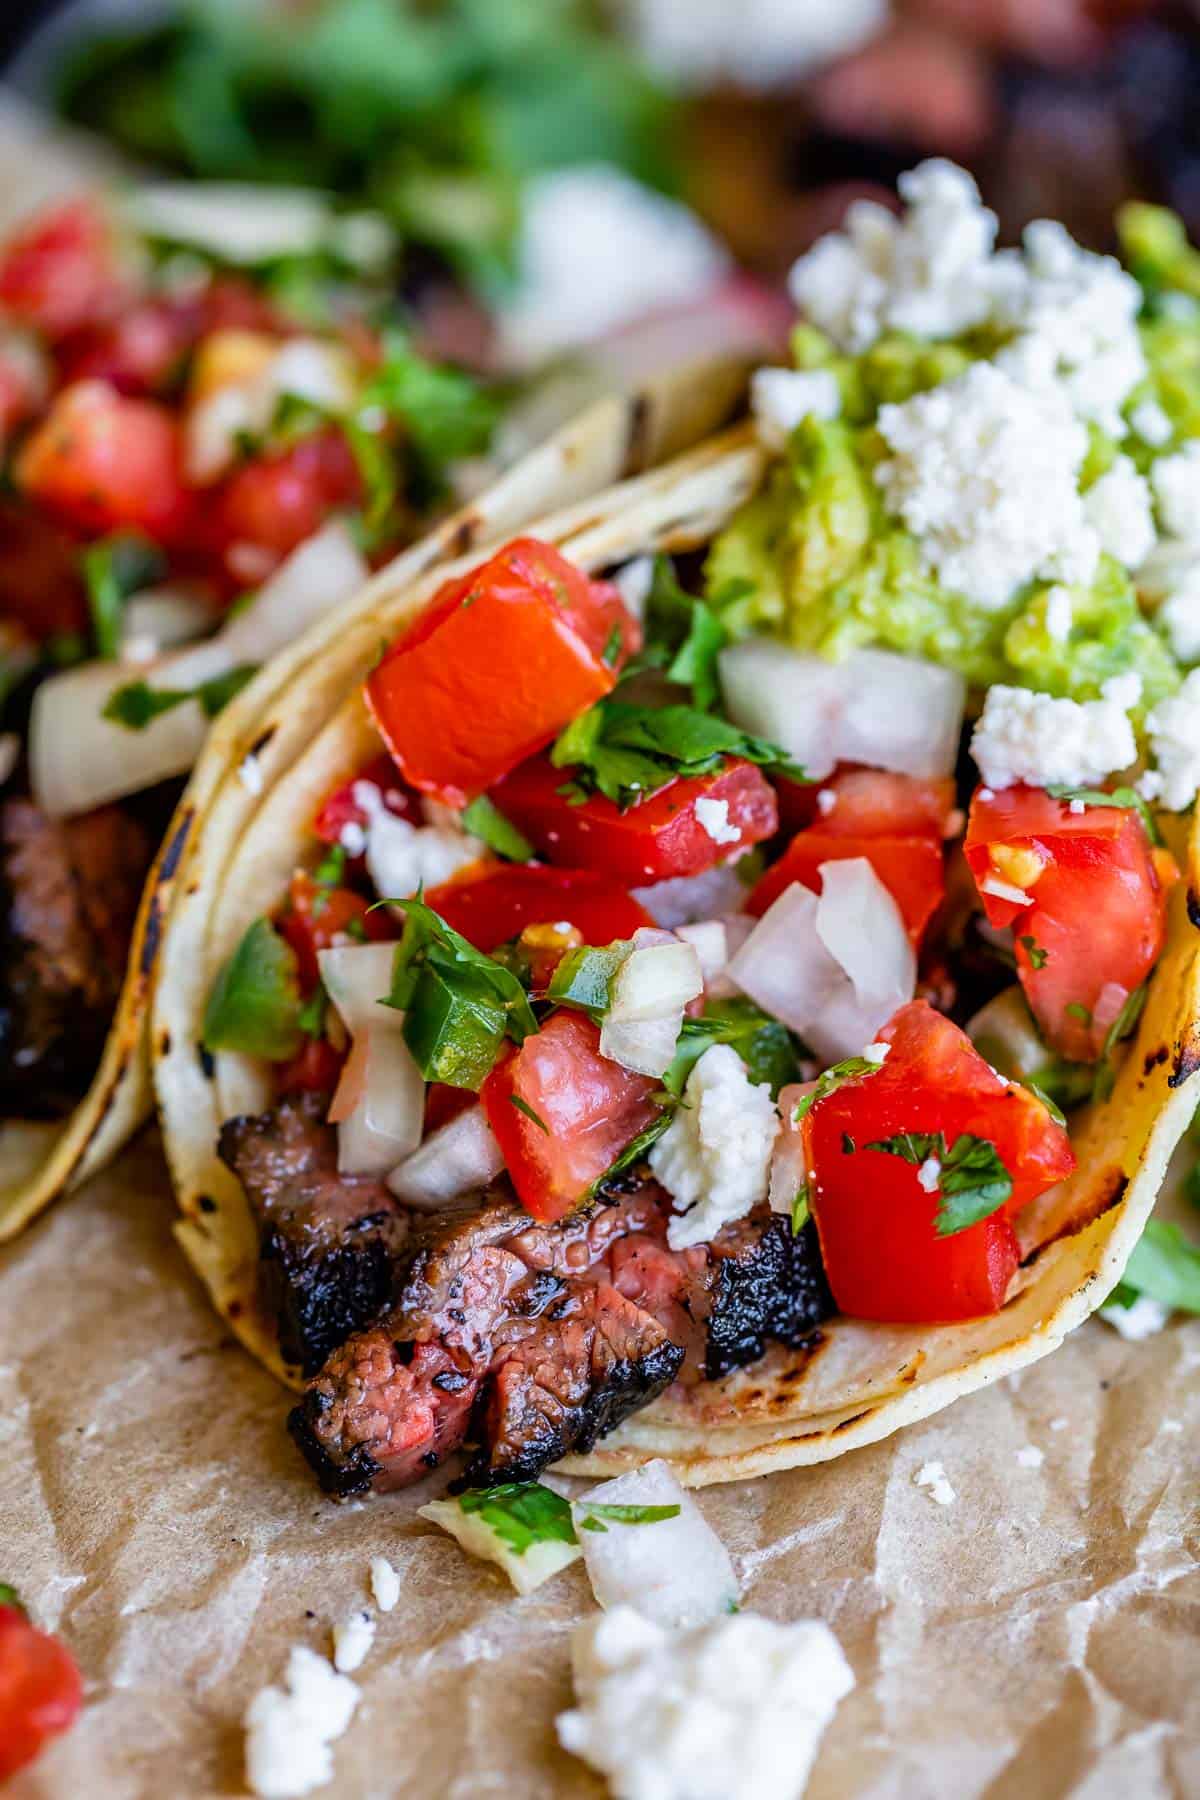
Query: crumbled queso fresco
{"x": 290, "y": 1730}
{"x": 731, "y": 1710}
{"x": 1026, "y": 736}
{"x": 714, "y": 1158}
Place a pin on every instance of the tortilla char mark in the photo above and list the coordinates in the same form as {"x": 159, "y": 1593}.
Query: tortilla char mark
{"x": 328, "y": 1242}
{"x": 532, "y": 1340}
{"x": 69, "y": 891}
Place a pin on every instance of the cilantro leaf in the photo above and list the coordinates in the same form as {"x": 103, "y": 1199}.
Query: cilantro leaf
{"x": 1125, "y": 797}
{"x": 1122, "y": 1027}
{"x": 522, "y": 1514}
{"x": 484, "y": 820}
{"x": 523, "y": 1106}
{"x": 833, "y": 1078}
{"x": 137, "y": 704}
{"x": 684, "y": 637}
{"x": 635, "y": 1151}
{"x": 1165, "y": 1266}
{"x": 972, "y": 1180}
{"x": 624, "y": 1515}
{"x": 445, "y": 414}
{"x": 801, "y": 1210}
{"x": 113, "y": 569}
{"x": 459, "y": 1004}
{"x": 629, "y": 752}
{"x": 764, "y": 1045}
{"x": 1038, "y": 958}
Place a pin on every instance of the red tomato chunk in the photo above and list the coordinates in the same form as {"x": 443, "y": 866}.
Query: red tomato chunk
{"x": 495, "y": 905}
{"x": 318, "y": 917}
{"x": 40, "y": 1690}
{"x": 62, "y": 271}
{"x": 562, "y": 1113}
{"x": 500, "y": 662}
{"x": 657, "y": 839}
{"x": 100, "y": 462}
{"x": 876, "y": 1221}
{"x": 1094, "y": 924}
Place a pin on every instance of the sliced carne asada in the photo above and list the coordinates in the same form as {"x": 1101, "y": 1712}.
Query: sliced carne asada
{"x": 69, "y": 890}
{"x": 533, "y": 1341}
{"x": 769, "y": 1284}
{"x": 328, "y": 1242}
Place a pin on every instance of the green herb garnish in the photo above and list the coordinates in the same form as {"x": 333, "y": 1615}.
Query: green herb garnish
{"x": 113, "y": 569}
{"x": 137, "y": 704}
{"x": 523, "y": 1106}
{"x": 1038, "y": 958}
{"x": 625, "y": 1515}
{"x": 1124, "y": 797}
{"x": 836, "y": 1076}
{"x": 628, "y": 752}
{"x": 483, "y": 819}
{"x": 684, "y": 637}
{"x": 1164, "y": 1266}
{"x": 522, "y": 1514}
{"x": 972, "y": 1181}
{"x": 801, "y": 1210}
{"x": 765, "y": 1046}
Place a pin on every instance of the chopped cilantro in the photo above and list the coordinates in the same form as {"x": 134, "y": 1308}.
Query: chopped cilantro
{"x": 9, "y": 1597}
{"x": 684, "y": 637}
{"x": 331, "y": 868}
{"x": 484, "y": 820}
{"x": 523, "y": 1106}
{"x": 1164, "y": 1266}
{"x": 628, "y": 752}
{"x": 1122, "y": 1027}
{"x": 1075, "y": 1009}
{"x": 624, "y": 1515}
{"x": 444, "y": 413}
{"x": 113, "y": 569}
{"x": 634, "y": 1152}
{"x": 833, "y": 1078}
{"x": 764, "y": 1045}
{"x": 311, "y": 1017}
{"x": 847, "y": 1144}
{"x": 612, "y": 647}
{"x": 801, "y": 1210}
{"x": 137, "y": 704}
{"x": 1038, "y": 957}
{"x": 972, "y": 1181}
{"x": 1125, "y": 797}
{"x": 522, "y": 1514}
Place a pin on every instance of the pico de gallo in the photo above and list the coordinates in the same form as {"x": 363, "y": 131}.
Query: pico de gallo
{"x": 736, "y": 953}
{"x": 202, "y": 454}
{"x": 40, "y": 1686}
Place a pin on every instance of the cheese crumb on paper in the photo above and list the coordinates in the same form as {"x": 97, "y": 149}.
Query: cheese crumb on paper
{"x": 1030, "y": 1457}
{"x": 932, "y": 1477}
{"x": 290, "y": 1730}
{"x": 385, "y": 1584}
{"x": 352, "y": 1641}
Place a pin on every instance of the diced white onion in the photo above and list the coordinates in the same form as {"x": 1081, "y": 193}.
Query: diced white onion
{"x": 675, "y": 1571}
{"x": 239, "y": 222}
{"x": 645, "y": 1046}
{"x": 789, "y": 1171}
{"x": 888, "y": 711}
{"x": 656, "y": 978}
{"x": 710, "y": 940}
{"x": 357, "y": 977}
{"x": 324, "y": 571}
{"x": 165, "y": 617}
{"x": 527, "y": 1570}
{"x": 834, "y": 968}
{"x": 459, "y": 1158}
{"x": 685, "y": 898}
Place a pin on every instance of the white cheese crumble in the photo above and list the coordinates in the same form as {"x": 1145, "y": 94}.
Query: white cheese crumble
{"x": 985, "y": 474}
{"x": 757, "y": 44}
{"x": 675, "y": 1571}
{"x": 732, "y": 1710}
{"x": 927, "y": 272}
{"x": 1060, "y": 610}
{"x": 1120, "y": 509}
{"x": 781, "y": 398}
{"x": 290, "y": 1729}
{"x": 714, "y": 1158}
{"x": 1151, "y": 423}
{"x": 929, "y": 1174}
{"x": 826, "y": 801}
{"x": 250, "y": 774}
{"x": 1169, "y": 580}
{"x": 402, "y": 857}
{"x": 877, "y": 1052}
{"x": 933, "y": 1478}
{"x": 385, "y": 1584}
{"x": 1144, "y": 1319}
{"x": 1026, "y": 736}
{"x": 352, "y": 1641}
{"x": 712, "y": 816}
{"x": 1176, "y": 483}
{"x": 1173, "y": 728}
{"x": 1030, "y": 1457}
{"x": 597, "y": 250}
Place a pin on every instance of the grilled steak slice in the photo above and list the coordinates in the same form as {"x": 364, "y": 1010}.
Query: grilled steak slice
{"x": 69, "y": 891}
{"x": 328, "y": 1242}
{"x": 595, "y": 1358}
{"x": 767, "y": 1284}
{"x": 397, "y": 1399}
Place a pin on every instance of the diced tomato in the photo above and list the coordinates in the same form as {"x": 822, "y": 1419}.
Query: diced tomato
{"x": 656, "y": 840}
{"x": 231, "y": 303}
{"x": 141, "y": 352}
{"x": 100, "y": 462}
{"x": 318, "y": 916}
{"x": 495, "y": 667}
{"x": 62, "y": 270}
{"x": 315, "y": 1069}
{"x": 40, "y": 1690}
{"x": 342, "y": 809}
{"x": 275, "y": 502}
{"x": 494, "y": 906}
{"x": 39, "y": 575}
{"x": 856, "y": 802}
{"x": 910, "y": 868}
{"x": 876, "y": 1221}
{"x": 586, "y": 1108}
{"x": 1095, "y": 922}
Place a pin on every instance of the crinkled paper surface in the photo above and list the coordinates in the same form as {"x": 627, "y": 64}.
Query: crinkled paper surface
{"x": 1038, "y": 1638}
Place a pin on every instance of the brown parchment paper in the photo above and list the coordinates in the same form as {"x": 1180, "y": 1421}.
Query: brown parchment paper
{"x": 1038, "y": 1638}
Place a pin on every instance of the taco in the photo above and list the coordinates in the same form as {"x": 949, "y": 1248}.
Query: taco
{"x": 716, "y": 988}
{"x": 206, "y": 463}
